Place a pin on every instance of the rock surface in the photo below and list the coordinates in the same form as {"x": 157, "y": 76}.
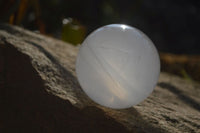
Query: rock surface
{"x": 39, "y": 92}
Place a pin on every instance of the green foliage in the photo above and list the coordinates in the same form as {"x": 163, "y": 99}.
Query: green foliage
{"x": 185, "y": 74}
{"x": 72, "y": 32}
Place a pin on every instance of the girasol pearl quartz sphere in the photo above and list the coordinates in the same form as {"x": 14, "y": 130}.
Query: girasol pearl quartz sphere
{"x": 117, "y": 66}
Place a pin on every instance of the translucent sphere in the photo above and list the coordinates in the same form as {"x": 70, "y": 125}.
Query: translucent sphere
{"x": 117, "y": 66}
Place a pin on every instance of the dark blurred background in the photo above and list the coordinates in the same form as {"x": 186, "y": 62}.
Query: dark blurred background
{"x": 173, "y": 25}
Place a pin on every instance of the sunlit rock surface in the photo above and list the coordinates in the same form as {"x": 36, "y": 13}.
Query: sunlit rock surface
{"x": 39, "y": 92}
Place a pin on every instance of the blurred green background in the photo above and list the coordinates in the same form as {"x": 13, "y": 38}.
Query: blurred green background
{"x": 173, "y": 25}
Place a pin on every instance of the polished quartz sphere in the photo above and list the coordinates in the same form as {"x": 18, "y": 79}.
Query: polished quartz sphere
{"x": 117, "y": 66}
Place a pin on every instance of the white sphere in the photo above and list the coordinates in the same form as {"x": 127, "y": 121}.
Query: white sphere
{"x": 117, "y": 66}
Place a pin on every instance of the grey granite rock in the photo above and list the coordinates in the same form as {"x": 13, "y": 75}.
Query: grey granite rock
{"x": 39, "y": 92}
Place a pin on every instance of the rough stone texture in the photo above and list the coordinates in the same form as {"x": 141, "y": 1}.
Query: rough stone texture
{"x": 39, "y": 92}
